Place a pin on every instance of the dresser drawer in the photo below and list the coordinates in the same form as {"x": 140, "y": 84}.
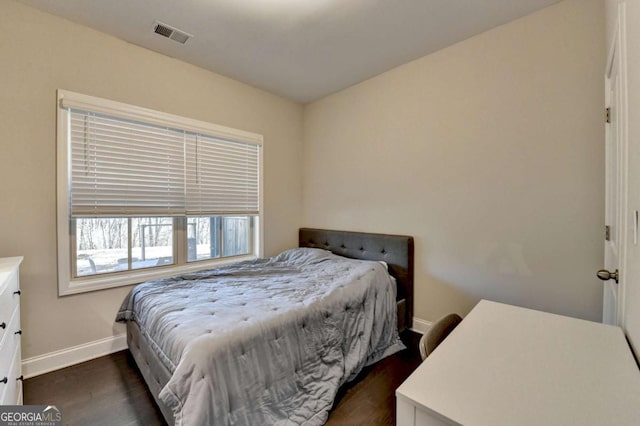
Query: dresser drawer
{"x": 11, "y": 392}
{"x": 8, "y": 300}
{"x": 10, "y": 352}
{"x": 8, "y": 342}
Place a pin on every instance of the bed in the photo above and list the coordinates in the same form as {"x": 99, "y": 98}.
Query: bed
{"x": 279, "y": 354}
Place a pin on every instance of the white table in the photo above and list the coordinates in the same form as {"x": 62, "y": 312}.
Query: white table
{"x": 505, "y": 365}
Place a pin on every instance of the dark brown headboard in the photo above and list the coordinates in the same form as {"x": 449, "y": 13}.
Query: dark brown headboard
{"x": 396, "y": 250}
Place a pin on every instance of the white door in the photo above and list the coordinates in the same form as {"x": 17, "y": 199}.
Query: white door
{"x": 615, "y": 163}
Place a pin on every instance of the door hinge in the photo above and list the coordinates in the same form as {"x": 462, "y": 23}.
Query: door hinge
{"x": 607, "y": 115}
{"x": 607, "y": 233}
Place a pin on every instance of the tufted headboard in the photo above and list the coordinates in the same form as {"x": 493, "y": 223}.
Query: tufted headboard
{"x": 396, "y": 250}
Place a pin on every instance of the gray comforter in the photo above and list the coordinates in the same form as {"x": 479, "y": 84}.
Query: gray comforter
{"x": 268, "y": 341}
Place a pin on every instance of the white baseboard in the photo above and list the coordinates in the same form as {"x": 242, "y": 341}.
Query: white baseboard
{"x": 45, "y": 363}
{"x": 421, "y": 326}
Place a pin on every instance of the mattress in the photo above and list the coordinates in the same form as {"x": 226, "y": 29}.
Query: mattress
{"x": 268, "y": 341}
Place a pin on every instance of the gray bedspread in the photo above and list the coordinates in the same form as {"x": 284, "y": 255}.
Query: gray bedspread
{"x": 268, "y": 341}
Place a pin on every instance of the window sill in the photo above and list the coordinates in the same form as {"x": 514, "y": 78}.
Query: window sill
{"x": 84, "y": 285}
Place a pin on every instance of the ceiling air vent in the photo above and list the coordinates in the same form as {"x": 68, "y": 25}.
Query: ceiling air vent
{"x": 171, "y": 32}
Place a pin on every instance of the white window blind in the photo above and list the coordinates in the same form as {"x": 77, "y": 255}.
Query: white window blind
{"x": 122, "y": 167}
{"x": 222, "y": 176}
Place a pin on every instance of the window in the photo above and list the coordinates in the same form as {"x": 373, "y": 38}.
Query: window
{"x": 144, "y": 194}
{"x": 218, "y": 236}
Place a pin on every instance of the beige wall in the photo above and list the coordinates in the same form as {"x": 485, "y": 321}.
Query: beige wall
{"x": 40, "y": 53}
{"x": 489, "y": 152}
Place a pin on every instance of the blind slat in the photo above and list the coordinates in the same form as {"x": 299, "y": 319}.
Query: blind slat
{"x": 128, "y": 140}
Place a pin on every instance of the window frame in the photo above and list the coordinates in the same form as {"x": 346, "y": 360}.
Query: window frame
{"x": 67, "y": 283}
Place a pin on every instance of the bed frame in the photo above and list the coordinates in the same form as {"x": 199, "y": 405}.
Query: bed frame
{"x": 396, "y": 250}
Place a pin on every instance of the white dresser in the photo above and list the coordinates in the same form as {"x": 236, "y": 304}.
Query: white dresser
{"x": 10, "y": 332}
{"x": 505, "y": 365}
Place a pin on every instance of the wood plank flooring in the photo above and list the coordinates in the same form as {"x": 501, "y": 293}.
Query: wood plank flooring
{"x": 110, "y": 391}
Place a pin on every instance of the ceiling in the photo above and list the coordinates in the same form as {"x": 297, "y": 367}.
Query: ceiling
{"x": 300, "y": 49}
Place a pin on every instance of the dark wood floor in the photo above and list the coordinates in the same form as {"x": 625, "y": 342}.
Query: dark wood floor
{"x": 111, "y": 391}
